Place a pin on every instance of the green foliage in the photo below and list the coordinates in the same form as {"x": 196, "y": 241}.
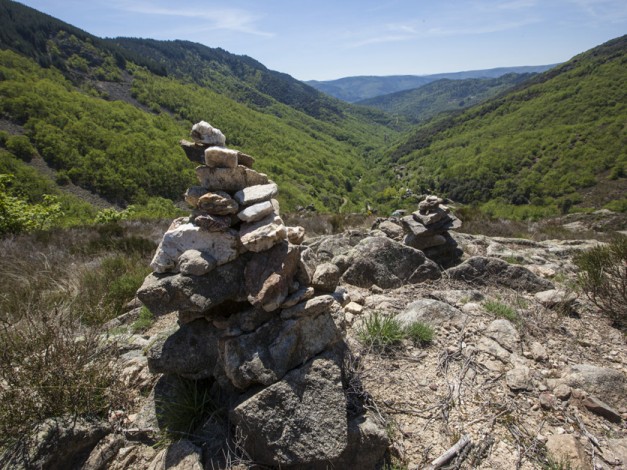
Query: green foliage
{"x": 105, "y": 291}
{"x": 501, "y": 310}
{"x": 381, "y": 333}
{"x": 109, "y": 215}
{"x": 536, "y": 147}
{"x": 187, "y": 406}
{"x": 20, "y": 146}
{"x": 603, "y": 277}
{"x": 145, "y": 320}
{"x": 427, "y": 101}
{"x": 420, "y": 333}
{"x": 18, "y": 215}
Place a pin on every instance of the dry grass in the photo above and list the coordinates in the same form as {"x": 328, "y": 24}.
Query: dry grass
{"x": 58, "y": 289}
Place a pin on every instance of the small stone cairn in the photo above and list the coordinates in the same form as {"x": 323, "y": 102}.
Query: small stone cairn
{"x": 249, "y": 319}
{"x": 427, "y": 230}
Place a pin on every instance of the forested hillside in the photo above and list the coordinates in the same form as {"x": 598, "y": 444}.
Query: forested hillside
{"x": 354, "y": 89}
{"x": 423, "y": 103}
{"x": 556, "y": 143}
{"x": 107, "y": 116}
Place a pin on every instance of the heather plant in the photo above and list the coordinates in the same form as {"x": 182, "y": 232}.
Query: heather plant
{"x": 603, "y": 278}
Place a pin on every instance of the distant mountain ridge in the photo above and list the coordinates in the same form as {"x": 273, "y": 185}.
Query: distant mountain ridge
{"x": 354, "y": 89}
{"x": 425, "y": 102}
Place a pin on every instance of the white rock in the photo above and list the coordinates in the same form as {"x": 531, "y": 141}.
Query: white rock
{"x": 257, "y": 193}
{"x": 179, "y": 238}
{"x": 256, "y": 211}
{"x": 296, "y": 235}
{"x": 220, "y": 157}
{"x": 207, "y": 134}
{"x": 263, "y": 234}
{"x": 353, "y": 308}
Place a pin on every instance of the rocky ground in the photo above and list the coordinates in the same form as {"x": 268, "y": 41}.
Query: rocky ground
{"x": 544, "y": 387}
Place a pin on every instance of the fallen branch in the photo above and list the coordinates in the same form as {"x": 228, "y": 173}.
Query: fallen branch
{"x": 449, "y": 454}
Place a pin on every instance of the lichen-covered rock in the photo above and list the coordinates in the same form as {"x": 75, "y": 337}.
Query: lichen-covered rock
{"x": 269, "y": 275}
{"x": 165, "y": 293}
{"x": 296, "y": 235}
{"x": 192, "y": 351}
{"x": 388, "y": 264}
{"x": 263, "y": 234}
{"x": 193, "y": 194}
{"x": 217, "y": 203}
{"x": 326, "y": 277}
{"x": 196, "y": 263}
{"x": 179, "y": 455}
{"x": 258, "y": 193}
{"x": 432, "y": 312}
{"x": 483, "y": 270}
{"x": 312, "y": 427}
{"x": 610, "y": 385}
{"x": 267, "y": 354}
{"x": 229, "y": 179}
{"x": 222, "y": 246}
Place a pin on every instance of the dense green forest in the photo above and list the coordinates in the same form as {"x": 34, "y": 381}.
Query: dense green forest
{"x": 557, "y": 142}
{"x": 423, "y": 103}
{"x": 106, "y": 115}
{"x": 111, "y": 125}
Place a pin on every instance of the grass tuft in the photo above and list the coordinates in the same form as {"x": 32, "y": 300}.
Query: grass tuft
{"x": 501, "y": 310}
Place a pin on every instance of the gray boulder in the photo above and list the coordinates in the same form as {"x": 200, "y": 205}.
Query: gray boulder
{"x": 300, "y": 420}
{"x": 483, "y": 270}
{"x": 192, "y": 351}
{"x": 165, "y": 293}
{"x": 388, "y": 264}
{"x": 326, "y": 277}
{"x": 503, "y": 332}
{"x": 429, "y": 311}
{"x": 180, "y": 455}
{"x": 610, "y": 385}
{"x": 267, "y": 354}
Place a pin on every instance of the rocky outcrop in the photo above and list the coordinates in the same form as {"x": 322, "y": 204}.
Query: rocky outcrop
{"x": 427, "y": 230}
{"x": 256, "y": 319}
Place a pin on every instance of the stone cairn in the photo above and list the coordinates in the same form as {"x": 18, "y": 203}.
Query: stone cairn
{"x": 250, "y": 322}
{"x": 427, "y": 230}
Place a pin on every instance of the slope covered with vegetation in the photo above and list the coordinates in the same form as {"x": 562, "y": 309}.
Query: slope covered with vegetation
{"x": 557, "y": 142}
{"x": 425, "y": 102}
{"x": 111, "y": 124}
{"x": 354, "y": 89}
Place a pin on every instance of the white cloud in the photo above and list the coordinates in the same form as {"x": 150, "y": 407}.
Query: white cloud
{"x": 230, "y": 19}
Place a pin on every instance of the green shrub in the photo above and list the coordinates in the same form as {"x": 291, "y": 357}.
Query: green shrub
{"x": 186, "y": 407}
{"x": 501, "y": 310}
{"x": 145, "y": 321}
{"x": 603, "y": 277}
{"x": 420, "y": 333}
{"x": 20, "y": 146}
{"x": 381, "y": 333}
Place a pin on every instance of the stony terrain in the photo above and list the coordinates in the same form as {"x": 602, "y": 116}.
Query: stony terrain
{"x": 259, "y": 356}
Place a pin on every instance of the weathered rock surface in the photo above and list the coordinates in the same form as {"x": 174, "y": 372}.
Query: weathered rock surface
{"x": 326, "y": 277}
{"x": 388, "y": 264}
{"x": 180, "y": 455}
{"x": 609, "y": 385}
{"x": 165, "y": 293}
{"x": 222, "y": 246}
{"x": 217, "y": 203}
{"x": 257, "y": 193}
{"x": 263, "y": 234}
{"x": 269, "y": 275}
{"x": 229, "y": 179}
{"x": 432, "y": 312}
{"x": 192, "y": 351}
{"x": 196, "y": 263}
{"x": 256, "y": 211}
{"x": 482, "y": 270}
{"x": 566, "y": 447}
{"x": 267, "y": 354}
{"x": 205, "y": 133}
{"x": 221, "y": 157}
{"x": 504, "y": 332}
{"x": 307, "y": 433}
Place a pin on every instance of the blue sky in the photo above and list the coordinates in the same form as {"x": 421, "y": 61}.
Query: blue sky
{"x": 327, "y": 39}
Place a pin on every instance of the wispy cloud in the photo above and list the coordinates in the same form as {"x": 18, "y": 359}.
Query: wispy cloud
{"x": 215, "y": 18}
{"x": 612, "y": 11}
{"x": 409, "y": 32}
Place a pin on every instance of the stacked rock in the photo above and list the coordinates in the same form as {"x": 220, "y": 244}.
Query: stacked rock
{"x": 427, "y": 230}
{"x": 249, "y": 319}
